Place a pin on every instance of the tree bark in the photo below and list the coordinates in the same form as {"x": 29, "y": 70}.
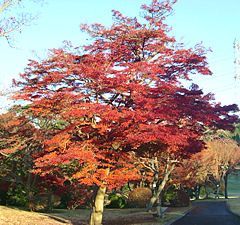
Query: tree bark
{"x": 218, "y": 189}
{"x": 31, "y": 185}
{"x": 197, "y": 191}
{"x": 98, "y": 205}
{"x": 97, "y": 209}
{"x": 226, "y": 185}
{"x": 206, "y": 191}
{"x": 160, "y": 187}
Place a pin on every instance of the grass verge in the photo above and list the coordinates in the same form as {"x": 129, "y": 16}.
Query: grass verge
{"x": 234, "y": 204}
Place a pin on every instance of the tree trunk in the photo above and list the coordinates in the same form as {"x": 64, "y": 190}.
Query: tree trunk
{"x": 31, "y": 185}
{"x": 218, "y": 189}
{"x": 226, "y": 185}
{"x": 97, "y": 209}
{"x": 162, "y": 197}
{"x": 206, "y": 191}
{"x": 197, "y": 191}
{"x": 98, "y": 204}
{"x": 160, "y": 187}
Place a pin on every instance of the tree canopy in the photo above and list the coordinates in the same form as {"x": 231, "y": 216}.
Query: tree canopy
{"x": 122, "y": 92}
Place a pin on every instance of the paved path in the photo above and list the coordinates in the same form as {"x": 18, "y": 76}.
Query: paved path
{"x": 209, "y": 213}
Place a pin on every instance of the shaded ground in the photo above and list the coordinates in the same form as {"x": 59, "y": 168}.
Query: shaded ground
{"x": 209, "y": 213}
{"x": 15, "y": 216}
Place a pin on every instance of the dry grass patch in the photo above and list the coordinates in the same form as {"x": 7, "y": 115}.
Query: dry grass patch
{"x": 15, "y": 216}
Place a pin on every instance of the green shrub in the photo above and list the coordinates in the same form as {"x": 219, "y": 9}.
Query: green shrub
{"x": 179, "y": 198}
{"x": 3, "y": 197}
{"x": 16, "y": 197}
{"x": 202, "y": 191}
{"x": 170, "y": 195}
{"x": 117, "y": 201}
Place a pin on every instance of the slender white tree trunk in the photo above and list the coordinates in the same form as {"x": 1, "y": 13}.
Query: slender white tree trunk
{"x": 218, "y": 189}
{"x": 160, "y": 187}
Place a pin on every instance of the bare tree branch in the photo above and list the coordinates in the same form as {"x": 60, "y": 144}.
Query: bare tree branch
{"x": 12, "y": 19}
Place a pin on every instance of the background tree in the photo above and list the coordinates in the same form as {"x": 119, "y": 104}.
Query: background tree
{"x": 19, "y": 144}
{"x": 220, "y": 159}
{"x": 121, "y": 94}
{"x": 236, "y": 134}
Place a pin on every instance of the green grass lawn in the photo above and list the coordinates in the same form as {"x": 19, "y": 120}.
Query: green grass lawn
{"x": 233, "y": 192}
{"x": 234, "y": 204}
{"x": 234, "y": 185}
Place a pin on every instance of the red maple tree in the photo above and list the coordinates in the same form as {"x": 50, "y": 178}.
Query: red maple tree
{"x": 19, "y": 144}
{"x": 122, "y": 92}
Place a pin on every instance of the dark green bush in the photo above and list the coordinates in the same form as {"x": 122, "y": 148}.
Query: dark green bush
{"x": 170, "y": 195}
{"x": 16, "y": 197}
{"x": 117, "y": 201}
{"x": 3, "y": 197}
{"x": 179, "y": 198}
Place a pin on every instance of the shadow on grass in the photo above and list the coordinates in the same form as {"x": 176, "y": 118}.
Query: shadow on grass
{"x": 110, "y": 216}
{"x": 82, "y": 216}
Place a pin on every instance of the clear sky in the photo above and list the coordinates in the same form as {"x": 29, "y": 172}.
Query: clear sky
{"x": 214, "y": 22}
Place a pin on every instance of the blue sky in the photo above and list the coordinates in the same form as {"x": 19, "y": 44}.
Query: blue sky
{"x": 214, "y": 22}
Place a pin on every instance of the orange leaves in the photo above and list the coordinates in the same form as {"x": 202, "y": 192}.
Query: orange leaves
{"x": 220, "y": 156}
{"x": 102, "y": 128}
{"x": 121, "y": 176}
{"x": 58, "y": 141}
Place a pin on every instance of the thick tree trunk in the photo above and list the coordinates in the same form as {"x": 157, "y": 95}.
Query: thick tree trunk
{"x": 160, "y": 187}
{"x": 31, "y": 185}
{"x": 97, "y": 209}
{"x": 226, "y": 185}
{"x": 98, "y": 204}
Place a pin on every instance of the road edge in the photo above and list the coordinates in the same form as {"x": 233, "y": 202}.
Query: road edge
{"x": 230, "y": 210}
{"x": 179, "y": 217}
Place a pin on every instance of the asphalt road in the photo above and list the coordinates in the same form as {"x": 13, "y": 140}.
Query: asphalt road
{"x": 209, "y": 213}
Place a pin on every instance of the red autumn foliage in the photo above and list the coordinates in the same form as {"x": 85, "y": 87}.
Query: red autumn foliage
{"x": 122, "y": 92}
{"x": 19, "y": 143}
